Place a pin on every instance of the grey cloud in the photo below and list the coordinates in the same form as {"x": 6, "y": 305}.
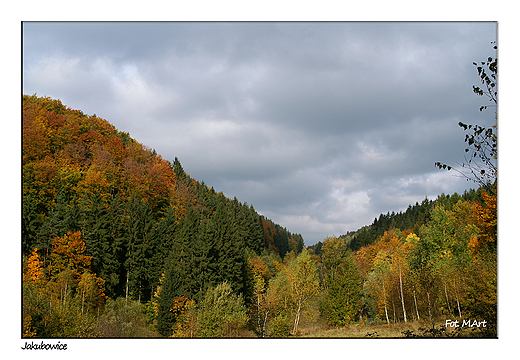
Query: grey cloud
{"x": 320, "y": 126}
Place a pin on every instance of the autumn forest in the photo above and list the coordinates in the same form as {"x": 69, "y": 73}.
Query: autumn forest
{"x": 119, "y": 242}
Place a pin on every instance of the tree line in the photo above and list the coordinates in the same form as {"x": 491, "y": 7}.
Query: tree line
{"x": 412, "y": 218}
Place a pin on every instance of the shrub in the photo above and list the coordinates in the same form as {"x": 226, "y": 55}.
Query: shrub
{"x": 222, "y": 313}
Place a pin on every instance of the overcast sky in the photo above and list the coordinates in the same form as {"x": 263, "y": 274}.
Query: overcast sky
{"x": 320, "y": 126}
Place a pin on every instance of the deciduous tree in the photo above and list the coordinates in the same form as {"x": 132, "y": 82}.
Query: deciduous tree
{"x": 303, "y": 277}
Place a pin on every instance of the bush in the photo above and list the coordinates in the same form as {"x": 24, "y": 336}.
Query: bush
{"x": 124, "y": 319}
{"x": 280, "y": 326}
{"x": 222, "y": 313}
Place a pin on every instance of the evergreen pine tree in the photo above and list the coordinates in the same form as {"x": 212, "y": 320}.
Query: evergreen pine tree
{"x": 139, "y": 231}
{"x": 230, "y": 258}
{"x": 31, "y": 222}
{"x": 112, "y": 266}
{"x": 94, "y": 228}
{"x": 203, "y": 258}
{"x": 178, "y": 274}
{"x": 161, "y": 243}
{"x": 52, "y": 226}
{"x": 74, "y": 216}
{"x": 254, "y": 238}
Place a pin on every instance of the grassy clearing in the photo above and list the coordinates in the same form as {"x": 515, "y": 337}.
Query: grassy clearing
{"x": 363, "y": 331}
{"x": 392, "y": 330}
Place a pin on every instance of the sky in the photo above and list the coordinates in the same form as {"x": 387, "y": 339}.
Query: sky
{"x": 321, "y": 126}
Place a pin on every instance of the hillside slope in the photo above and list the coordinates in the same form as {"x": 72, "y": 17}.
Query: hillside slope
{"x": 129, "y": 204}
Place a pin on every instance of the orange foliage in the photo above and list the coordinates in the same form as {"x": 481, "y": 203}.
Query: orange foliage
{"x": 269, "y": 232}
{"x": 160, "y": 178}
{"x": 488, "y": 217}
{"x": 487, "y": 222}
{"x": 69, "y": 252}
{"x": 259, "y": 268}
{"x": 89, "y": 155}
{"x": 35, "y": 143}
{"x": 366, "y": 255}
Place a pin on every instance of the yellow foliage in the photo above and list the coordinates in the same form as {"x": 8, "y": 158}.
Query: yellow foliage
{"x": 277, "y": 266}
{"x": 28, "y": 330}
{"x": 259, "y": 268}
{"x": 157, "y": 295}
{"x": 91, "y": 291}
{"x": 185, "y": 325}
{"x": 95, "y": 182}
{"x": 35, "y": 267}
{"x": 473, "y": 244}
{"x": 487, "y": 216}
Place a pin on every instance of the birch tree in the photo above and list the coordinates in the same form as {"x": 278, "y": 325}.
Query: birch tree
{"x": 305, "y": 284}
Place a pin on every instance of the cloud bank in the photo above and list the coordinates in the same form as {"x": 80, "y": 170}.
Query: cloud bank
{"x": 320, "y": 126}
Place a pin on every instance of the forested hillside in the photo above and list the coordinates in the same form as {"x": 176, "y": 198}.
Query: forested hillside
{"x": 412, "y": 218}
{"x": 441, "y": 264}
{"x": 119, "y": 242}
{"x": 106, "y": 217}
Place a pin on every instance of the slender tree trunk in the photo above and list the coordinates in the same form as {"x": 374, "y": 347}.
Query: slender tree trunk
{"x": 265, "y": 320}
{"x": 65, "y": 295}
{"x": 393, "y": 306}
{"x": 297, "y": 319}
{"x": 139, "y": 298}
{"x": 447, "y": 300}
{"x": 457, "y": 297}
{"x": 402, "y": 297}
{"x": 82, "y": 300}
{"x": 416, "y": 309}
{"x": 126, "y": 295}
{"x": 430, "y": 309}
{"x": 258, "y": 310}
{"x": 384, "y": 300}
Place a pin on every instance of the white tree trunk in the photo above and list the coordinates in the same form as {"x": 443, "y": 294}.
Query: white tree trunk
{"x": 258, "y": 312}
{"x": 384, "y": 300}
{"x": 402, "y": 297}
{"x": 416, "y": 309}
{"x": 297, "y": 319}
{"x": 430, "y": 309}
{"x": 65, "y": 294}
{"x": 447, "y": 300}
{"x": 457, "y": 297}
{"x": 126, "y": 296}
{"x": 265, "y": 320}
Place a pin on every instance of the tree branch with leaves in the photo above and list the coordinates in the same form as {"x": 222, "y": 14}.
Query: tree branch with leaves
{"x": 482, "y": 149}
